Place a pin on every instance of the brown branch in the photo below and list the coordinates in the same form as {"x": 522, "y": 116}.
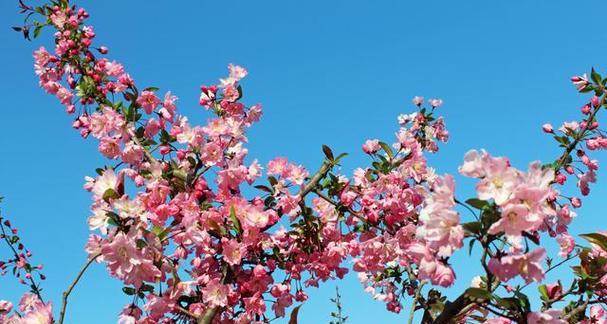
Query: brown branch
{"x": 452, "y": 309}
{"x": 208, "y": 316}
{"x": 322, "y": 172}
{"x": 67, "y": 293}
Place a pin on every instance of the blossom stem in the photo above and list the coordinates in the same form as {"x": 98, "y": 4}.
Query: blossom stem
{"x": 67, "y": 293}
{"x": 414, "y": 303}
{"x": 580, "y": 136}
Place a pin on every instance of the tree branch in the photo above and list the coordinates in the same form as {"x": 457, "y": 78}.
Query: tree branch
{"x": 322, "y": 172}
{"x": 67, "y": 293}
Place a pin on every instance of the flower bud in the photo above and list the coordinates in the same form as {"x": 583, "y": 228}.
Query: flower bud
{"x": 595, "y": 101}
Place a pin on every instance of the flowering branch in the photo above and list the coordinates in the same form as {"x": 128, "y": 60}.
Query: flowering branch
{"x": 191, "y": 245}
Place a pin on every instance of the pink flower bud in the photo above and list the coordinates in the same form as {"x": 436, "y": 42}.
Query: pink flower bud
{"x": 576, "y": 202}
{"x": 548, "y": 128}
{"x": 595, "y": 101}
{"x": 103, "y": 50}
{"x": 165, "y": 149}
{"x": 586, "y": 109}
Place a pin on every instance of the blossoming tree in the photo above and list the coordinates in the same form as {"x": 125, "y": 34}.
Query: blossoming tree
{"x": 171, "y": 222}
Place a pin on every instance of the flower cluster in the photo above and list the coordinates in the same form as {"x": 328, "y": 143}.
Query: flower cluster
{"x": 31, "y": 310}
{"x": 198, "y": 232}
{"x": 19, "y": 263}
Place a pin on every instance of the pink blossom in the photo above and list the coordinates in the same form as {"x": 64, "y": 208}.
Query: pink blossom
{"x": 551, "y": 316}
{"x": 569, "y": 127}
{"x": 5, "y": 307}
{"x": 41, "y": 314}
{"x": 499, "y": 182}
{"x": 114, "y": 69}
{"x": 255, "y": 218}
{"x": 580, "y": 82}
{"x": 127, "y": 262}
{"x": 233, "y": 251}
{"x": 371, "y": 146}
{"x": 278, "y": 166}
{"x": 168, "y": 106}
{"x": 440, "y": 223}
{"x": 132, "y": 153}
{"x": 474, "y": 164}
{"x": 566, "y": 244}
{"x": 527, "y": 266}
{"x": 497, "y": 320}
{"x": 597, "y": 315}
{"x": 237, "y": 72}
{"x": 435, "y": 103}
{"x": 436, "y": 272}
{"x": 148, "y": 100}
{"x": 107, "y": 180}
{"x": 584, "y": 180}
{"x": 255, "y": 304}
{"x": 418, "y": 100}
{"x": 109, "y": 147}
{"x": 215, "y": 293}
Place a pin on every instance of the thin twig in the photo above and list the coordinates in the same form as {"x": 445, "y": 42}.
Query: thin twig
{"x": 67, "y": 293}
{"x": 415, "y": 298}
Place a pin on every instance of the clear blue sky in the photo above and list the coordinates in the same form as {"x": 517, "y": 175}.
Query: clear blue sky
{"x": 334, "y": 72}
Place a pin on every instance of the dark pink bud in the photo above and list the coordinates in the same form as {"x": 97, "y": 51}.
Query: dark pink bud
{"x": 165, "y": 149}
{"x": 586, "y": 109}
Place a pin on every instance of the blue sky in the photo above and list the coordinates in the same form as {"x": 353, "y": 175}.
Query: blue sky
{"x": 327, "y": 72}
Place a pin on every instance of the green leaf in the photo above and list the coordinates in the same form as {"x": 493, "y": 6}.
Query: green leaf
{"x": 37, "y": 30}
{"x": 146, "y": 287}
{"x": 387, "y": 149}
{"x": 263, "y": 188}
{"x": 523, "y": 301}
{"x": 110, "y": 194}
{"x": 543, "y": 292}
{"x": 328, "y": 152}
{"x": 129, "y": 290}
{"x": 159, "y": 231}
{"x": 141, "y": 243}
{"x": 562, "y": 139}
{"x": 235, "y": 220}
{"x": 472, "y": 227}
{"x": 597, "y": 239}
{"x": 240, "y": 93}
{"x": 471, "y": 246}
{"x": 506, "y": 303}
{"x": 595, "y": 76}
{"x": 294, "y": 313}
{"x": 477, "y": 203}
{"x": 339, "y": 157}
{"x": 153, "y": 89}
{"x": 477, "y": 294}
